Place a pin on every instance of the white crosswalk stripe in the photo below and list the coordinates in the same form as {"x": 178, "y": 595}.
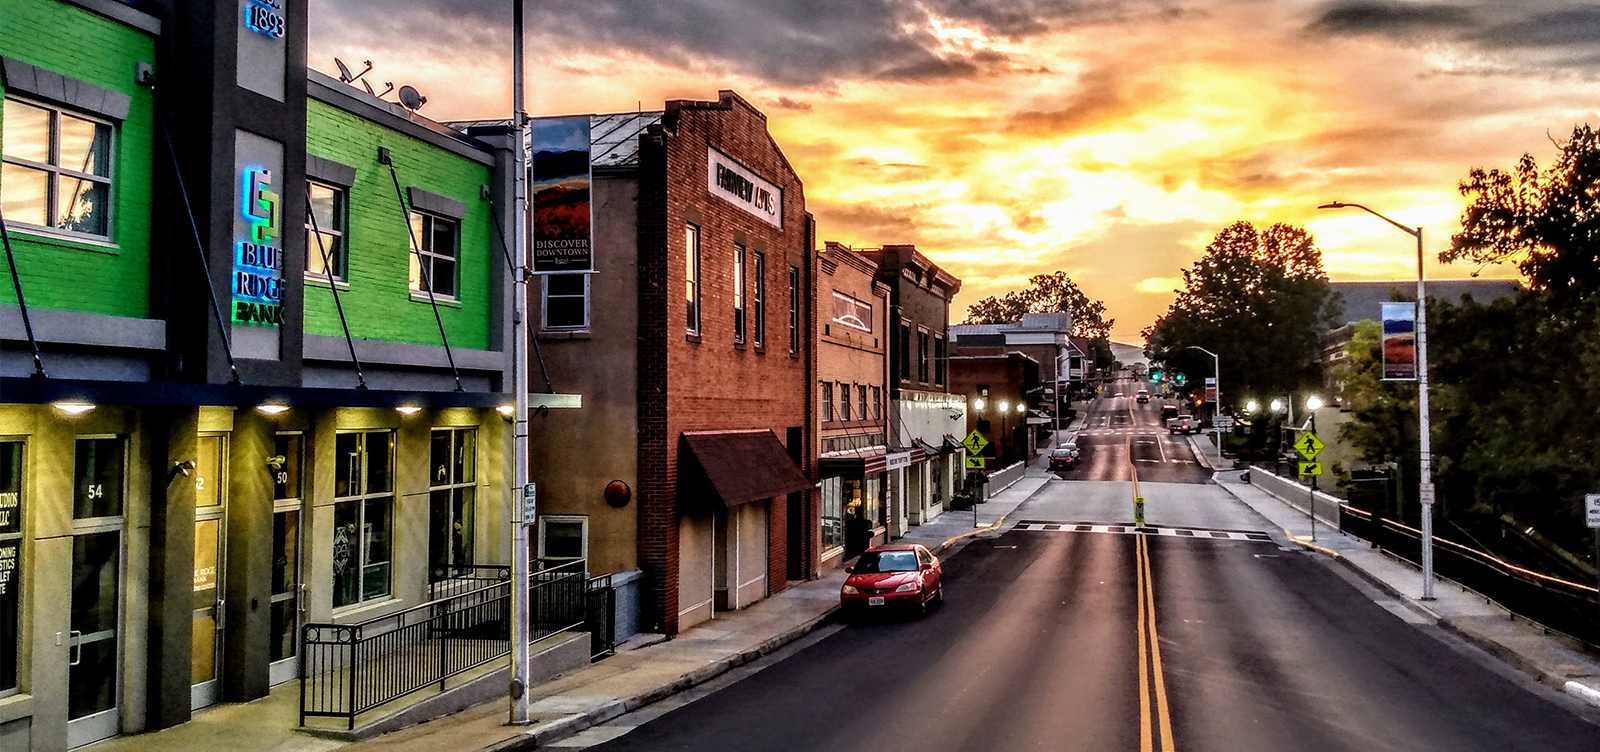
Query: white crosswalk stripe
{"x": 1170, "y": 532}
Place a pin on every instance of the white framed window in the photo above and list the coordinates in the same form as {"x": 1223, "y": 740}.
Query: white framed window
{"x": 452, "y": 494}
{"x": 325, "y": 247}
{"x": 55, "y": 169}
{"x": 739, "y": 333}
{"x": 563, "y": 537}
{"x": 433, "y": 258}
{"x": 363, "y": 517}
{"x": 794, "y": 309}
{"x": 691, "y": 276}
{"x": 758, "y": 298}
{"x": 851, "y": 312}
{"x": 861, "y": 403}
{"x": 566, "y": 301}
{"x": 826, "y": 395}
{"x": 844, "y": 401}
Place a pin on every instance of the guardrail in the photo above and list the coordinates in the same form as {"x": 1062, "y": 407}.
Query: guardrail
{"x": 1006, "y": 477}
{"x": 350, "y": 669}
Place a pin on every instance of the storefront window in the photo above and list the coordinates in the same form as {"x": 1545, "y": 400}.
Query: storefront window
{"x": 832, "y": 514}
{"x": 452, "y": 483}
{"x": 10, "y": 563}
{"x": 363, "y": 489}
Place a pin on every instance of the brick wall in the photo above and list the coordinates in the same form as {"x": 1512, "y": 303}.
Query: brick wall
{"x": 69, "y": 275}
{"x": 378, "y": 302}
{"x": 710, "y": 384}
{"x": 848, "y": 355}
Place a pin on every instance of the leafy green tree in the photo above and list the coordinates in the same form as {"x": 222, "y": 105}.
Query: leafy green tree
{"x": 1260, "y": 300}
{"x": 1046, "y": 293}
{"x": 1546, "y": 220}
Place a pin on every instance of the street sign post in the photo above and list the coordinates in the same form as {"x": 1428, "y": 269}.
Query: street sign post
{"x": 530, "y": 499}
{"x": 975, "y": 443}
{"x": 1309, "y": 446}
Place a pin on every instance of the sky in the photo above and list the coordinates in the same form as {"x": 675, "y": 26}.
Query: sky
{"x": 1008, "y": 138}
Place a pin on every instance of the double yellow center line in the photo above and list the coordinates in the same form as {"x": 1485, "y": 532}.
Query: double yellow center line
{"x": 1152, "y": 683}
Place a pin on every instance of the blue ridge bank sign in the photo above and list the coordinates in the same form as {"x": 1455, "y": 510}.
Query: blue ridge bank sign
{"x": 258, "y": 256}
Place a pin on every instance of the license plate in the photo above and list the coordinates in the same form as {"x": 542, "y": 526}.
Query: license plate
{"x": 876, "y": 600}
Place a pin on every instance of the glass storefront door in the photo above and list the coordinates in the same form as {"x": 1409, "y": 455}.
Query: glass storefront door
{"x": 205, "y": 643}
{"x": 288, "y": 607}
{"x": 93, "y": 667}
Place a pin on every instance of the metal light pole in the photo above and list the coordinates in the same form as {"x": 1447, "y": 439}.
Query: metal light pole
{"x": 1425, "y": 474}
{"x": 519, "y": 380}
{"x": 1216, "y": 371}
{"x": 1312, "y": 404}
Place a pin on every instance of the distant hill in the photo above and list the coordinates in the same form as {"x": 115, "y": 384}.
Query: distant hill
{"x": 1362, "y": 299}
{"x": 548, "y": 165}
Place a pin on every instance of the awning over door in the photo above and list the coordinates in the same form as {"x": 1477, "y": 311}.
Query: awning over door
{"x": 740, "y": 466}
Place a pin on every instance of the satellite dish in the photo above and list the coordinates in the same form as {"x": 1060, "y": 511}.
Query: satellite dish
{"x": 369, "y": 88}
{"x": 344, "y": 71}
{"x": 411, "y": 99}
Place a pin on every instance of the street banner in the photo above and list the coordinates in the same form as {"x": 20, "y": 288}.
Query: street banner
{"x": 1399, "y": 341}
{"x": 562, "y": 219}
{"x": 1211, "y": 389}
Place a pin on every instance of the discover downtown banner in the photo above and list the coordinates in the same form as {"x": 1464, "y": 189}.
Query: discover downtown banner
{"x": 562, "y": 220}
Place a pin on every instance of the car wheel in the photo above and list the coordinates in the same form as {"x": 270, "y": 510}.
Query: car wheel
{"x": 938, "y": 595}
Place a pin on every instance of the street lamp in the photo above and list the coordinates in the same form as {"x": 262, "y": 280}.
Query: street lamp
{"x": 1216, "y": 372}
{"x": 1278, "y": 406}
{"x": 1425, "y": 473}
{"x": 977, "y": 404}
{"x": 1252, "y": 407}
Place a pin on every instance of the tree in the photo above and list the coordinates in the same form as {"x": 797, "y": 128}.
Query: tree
{"x": 1260, "y": 300}
{"x": 1047, "y": 293}
{"x": 1547, "y": 218}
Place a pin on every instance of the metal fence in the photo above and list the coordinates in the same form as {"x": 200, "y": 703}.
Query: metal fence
{"x": 350, "y": 669}
{"x": 455, "y": 579}
{"x": 1551, "y": 602}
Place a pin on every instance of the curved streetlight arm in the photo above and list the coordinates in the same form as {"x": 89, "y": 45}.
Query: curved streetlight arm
{"x": 1413, "y": 231}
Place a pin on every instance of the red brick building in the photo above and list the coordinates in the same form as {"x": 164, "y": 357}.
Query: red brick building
{"x": 695, "y": 360}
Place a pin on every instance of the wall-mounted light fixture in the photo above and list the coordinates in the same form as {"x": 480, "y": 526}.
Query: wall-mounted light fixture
{"x": 408, "y": 409}
{"x": 74, "y": 408}
{"x": 271, "y": 409}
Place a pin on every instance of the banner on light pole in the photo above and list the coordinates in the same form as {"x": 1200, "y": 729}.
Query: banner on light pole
{"x": 1399, "y": 341}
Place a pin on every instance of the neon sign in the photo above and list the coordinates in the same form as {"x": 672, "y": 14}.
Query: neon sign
{"x": 258, "y": 257}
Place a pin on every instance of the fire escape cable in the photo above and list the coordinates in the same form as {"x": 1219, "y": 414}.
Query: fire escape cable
{"x": 327, "y": 265}
{"x": 505, "y": 247}
{"x": 22, "y": 302}
{"x": 427, "y": 283}
{"x": 199, "y": 245}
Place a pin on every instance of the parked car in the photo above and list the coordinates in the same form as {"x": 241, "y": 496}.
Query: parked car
{"x": 898, "y": 575}
{"x": 1064, "y": 458}
{"x": 1168, "y": 412}
{"x": 1182, "y": 424}
{"x": 1143, "y": 396}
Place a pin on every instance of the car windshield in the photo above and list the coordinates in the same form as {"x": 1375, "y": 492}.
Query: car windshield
{"x": 877, "y": 562}
{"x": 1062, "y": 453}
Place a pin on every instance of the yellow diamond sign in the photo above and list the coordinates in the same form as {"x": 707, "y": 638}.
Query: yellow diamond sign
{"x": 975, "y": 443}
{"x": 1308, "y": 445}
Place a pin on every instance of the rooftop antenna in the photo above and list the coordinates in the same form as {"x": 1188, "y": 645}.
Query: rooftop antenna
{"x": 347, "y": 77}
{"x": 388, "y": 87}
{"x": 411, "y": 99}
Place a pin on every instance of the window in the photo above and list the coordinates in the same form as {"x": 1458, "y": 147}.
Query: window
{"x": 325, "y": 259}
{"x": 827, "y": 402}
{"x": 844, "y": 402}
{"x": 433, "y": 266}
{"x": 738, "y": 294}
{"x": 284, "y": 619}
{"x": 903, "y": 351}
{"x": 851, "y": 312}
{"x": 794, "y": 309}
{"x": 691, "y": 276}
{"x": 566, "y": 301}
{"x": 759, "y": 299}
{"x": 10, "y": 563}
{"x": 56, "y": 169}
{"x": 922, "y": 355}
{"x": 563, "y": 538}
{"x": 363, "y": 492}
{"x": 861, "y": 404}
{"x": 97, "y": 477}
{"x": 877, "y": 403}
{"x": 832, "y": 513}
{"x": 451, "y": 490}
{"x": 940, "y": 359}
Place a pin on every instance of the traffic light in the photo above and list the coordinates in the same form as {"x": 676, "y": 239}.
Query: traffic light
{"x": 1156, "y": 375}
{"x": 1181, "y": 378}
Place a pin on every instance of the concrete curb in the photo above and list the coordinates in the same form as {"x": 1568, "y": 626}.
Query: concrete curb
{"x": 549, "y": 732}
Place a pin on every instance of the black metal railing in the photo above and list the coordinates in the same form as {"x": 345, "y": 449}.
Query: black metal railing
{"x": 455, "y": 579}
{"x": 350, "y": 669}
{"x": 601, "y": 616}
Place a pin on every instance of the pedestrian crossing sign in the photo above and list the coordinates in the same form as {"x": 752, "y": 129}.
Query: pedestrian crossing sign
{"x": 1310, "y": 468}
{"x": 1309, "y": 446}
{"x": 975, "y": 444}
{"x": 974, "y": 463}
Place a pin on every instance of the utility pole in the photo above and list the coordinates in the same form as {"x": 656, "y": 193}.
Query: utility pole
{"x": 521, "y": 495}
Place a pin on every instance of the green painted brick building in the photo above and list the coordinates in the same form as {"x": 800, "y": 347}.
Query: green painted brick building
{"x": 188, "y": 446}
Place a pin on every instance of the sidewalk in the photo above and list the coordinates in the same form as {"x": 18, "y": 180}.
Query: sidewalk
{"x": 1551, "y": 659}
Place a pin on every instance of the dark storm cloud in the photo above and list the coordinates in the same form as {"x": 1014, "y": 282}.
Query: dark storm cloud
{"x": 795, "y": 42}
{"x": 1571, "y": 27}
{"x": 1399, "y": 19}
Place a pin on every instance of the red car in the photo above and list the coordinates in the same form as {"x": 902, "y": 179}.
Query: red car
{"x": 903, "y": 575}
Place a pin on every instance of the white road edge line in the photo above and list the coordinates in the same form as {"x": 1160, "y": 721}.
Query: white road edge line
{"x": 1583, "y": 692}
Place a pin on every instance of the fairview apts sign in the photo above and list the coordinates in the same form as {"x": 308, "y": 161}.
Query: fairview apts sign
{"x": 731, "y": 182}
{"x": 562, "y": 218}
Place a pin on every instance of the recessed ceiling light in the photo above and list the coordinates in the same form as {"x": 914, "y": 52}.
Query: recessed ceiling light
{"x": 408, "y": 409}
{"x": 272, "y": 409}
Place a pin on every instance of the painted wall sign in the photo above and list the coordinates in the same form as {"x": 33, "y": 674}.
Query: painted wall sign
{"x": 562, "y": 218}
{"x": 1399, "y": 341}
{"x": 258, "y": 257}
{"x": 733, "y": 183}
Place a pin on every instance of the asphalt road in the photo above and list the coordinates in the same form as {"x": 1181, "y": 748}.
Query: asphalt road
{"x": 1057, "y": 639}
{"x": 1117, "y": 424}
